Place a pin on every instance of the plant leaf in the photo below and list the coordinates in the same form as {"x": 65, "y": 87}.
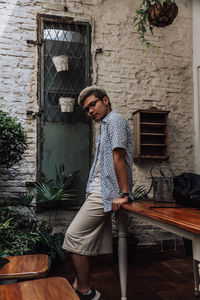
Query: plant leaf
{"x": 3, "y": 262}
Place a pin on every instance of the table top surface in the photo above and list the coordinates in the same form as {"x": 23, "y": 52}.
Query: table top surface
{"x": 186, "y": 218}
{"x": 53, "y": 288}
{"x": 25, "y": 266}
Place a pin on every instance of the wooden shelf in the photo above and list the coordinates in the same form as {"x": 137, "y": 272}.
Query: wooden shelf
{"x": 154, "y": 145}
{"x": 153, "y": 124}
{"x": 152, "y": 157}
{"x": 150, "y": 134}
{"x": 153, "y": 133}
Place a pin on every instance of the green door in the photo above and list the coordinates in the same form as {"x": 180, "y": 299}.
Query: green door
{"x": 64, "y": 137}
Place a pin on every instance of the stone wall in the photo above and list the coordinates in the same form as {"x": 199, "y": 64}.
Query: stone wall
{"x": 133, "y": 79}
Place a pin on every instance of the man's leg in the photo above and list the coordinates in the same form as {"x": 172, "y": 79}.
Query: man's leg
{"x": 82, "y": 266}
{"x": 89, "y": 234}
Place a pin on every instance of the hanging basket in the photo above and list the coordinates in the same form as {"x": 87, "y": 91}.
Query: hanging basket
{"x": 66, "y": 104}
{"x": 162, "y": 15}
{"x": 60, "y": 62}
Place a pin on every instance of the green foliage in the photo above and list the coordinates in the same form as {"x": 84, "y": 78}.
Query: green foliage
{"x": 25, "y": 199}
{"x": 53, "y": 191}
{"x": 139, "y": 193}
{"x": 3, "y": 262}
{"x": 49, "y": 242}
{"x": 13, "y": 140}
{"x": 141, "y": 19}
{"x": 48, "y": 193}
{"x": 14, "y": 241}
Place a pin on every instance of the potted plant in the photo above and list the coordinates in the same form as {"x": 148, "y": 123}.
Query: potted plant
{"x": 66, "y": 104}
{"x": 13, "y": 140}
{"x": 61, "y": 63}
{"x": 150, "y": 13}
{"x": 49, "y": 196}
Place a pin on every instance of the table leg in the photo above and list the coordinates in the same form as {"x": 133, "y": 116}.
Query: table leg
{"x": 196, "y": 277}
{"x": 196, "y": 259}
{"x": 122, "y": 253}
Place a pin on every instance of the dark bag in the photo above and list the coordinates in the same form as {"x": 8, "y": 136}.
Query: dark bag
{"x": 162, "y": 183}
{"x": 187, "y": 189}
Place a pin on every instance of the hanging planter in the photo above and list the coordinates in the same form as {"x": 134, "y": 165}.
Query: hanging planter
{"x": 60, "y": 62}
{"x": 162, "y": 15}
{"x": 66, "y": 104}
{"x": 150, "y": 13}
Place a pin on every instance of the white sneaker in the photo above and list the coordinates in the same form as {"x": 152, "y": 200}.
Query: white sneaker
{"x": 94, "y": 295}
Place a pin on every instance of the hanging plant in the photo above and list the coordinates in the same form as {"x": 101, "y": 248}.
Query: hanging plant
{"x": 12, "y": 140}
{"x": 150, "y": 13}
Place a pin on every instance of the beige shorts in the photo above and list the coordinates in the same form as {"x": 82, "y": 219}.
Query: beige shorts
{"x": 90, "y": 232}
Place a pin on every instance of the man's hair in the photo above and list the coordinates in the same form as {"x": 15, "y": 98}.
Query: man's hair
{"x": 92, "y": 90}
{"x": 98, "y": 95}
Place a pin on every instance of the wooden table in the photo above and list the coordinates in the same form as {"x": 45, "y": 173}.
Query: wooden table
{"x": 53, "y": 288}
{"x": 25, "y": 267}
{"x": 181, "y": 221}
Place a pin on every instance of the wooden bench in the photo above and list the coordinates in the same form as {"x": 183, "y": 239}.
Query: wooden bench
{"x": 25, "y": 267}
{"x": 53, "y": 288}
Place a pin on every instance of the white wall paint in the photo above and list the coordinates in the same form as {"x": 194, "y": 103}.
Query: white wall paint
{"x": 196, "y": 74}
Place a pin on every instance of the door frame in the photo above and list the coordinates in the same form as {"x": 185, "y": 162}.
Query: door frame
{"x": 41, "y": 18}
{"x": 196, "y": 82}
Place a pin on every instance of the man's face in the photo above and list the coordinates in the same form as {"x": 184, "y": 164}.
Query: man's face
{"x": 96, "y": 108}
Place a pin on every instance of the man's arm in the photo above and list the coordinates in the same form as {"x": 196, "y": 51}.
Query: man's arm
{"x": 119, "y": 155}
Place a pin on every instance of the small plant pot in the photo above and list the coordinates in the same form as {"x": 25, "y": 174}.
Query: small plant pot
{"x": 67, "y": 104}
{"x": 60, "y": 62}
{"x": 162, "y": 15}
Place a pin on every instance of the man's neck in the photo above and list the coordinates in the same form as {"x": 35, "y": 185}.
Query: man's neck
{"x": 107, "y": 112}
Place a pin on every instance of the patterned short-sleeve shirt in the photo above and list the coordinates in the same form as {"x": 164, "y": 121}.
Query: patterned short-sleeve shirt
{"x": 114, "y": 133}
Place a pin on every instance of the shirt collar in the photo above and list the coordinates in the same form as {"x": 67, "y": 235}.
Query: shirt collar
{"x": 104, "y": 120}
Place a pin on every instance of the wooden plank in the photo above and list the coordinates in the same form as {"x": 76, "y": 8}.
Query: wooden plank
{"x": 136, "y": 135}
{"x": 154, "y": 156}
{"x": 166, "y": 131}
{"x": 185, "y": 218}
{"x": 153, "y": 134}
{"x": 53, "y": 288}
{"x": 25, "y": 266}
{"x": 153, "y": 124}
{"x": 151, "y": 111}
{"x": 154, "y": 145}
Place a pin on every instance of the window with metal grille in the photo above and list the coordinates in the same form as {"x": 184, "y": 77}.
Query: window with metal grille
{"x": 71, "y": 42}
{"x": 64, "y": 137}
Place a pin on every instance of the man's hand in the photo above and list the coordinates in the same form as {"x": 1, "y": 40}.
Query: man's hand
{"x": 116, "y": 204}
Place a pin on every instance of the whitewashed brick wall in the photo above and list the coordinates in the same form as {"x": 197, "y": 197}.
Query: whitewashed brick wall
{"x": 133, "y": 79}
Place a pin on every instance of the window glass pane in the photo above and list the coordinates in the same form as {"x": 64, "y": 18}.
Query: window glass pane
{"x": 65, "y": 68}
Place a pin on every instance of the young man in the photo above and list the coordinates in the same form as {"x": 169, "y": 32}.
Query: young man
{"x": 109, "y": 185}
